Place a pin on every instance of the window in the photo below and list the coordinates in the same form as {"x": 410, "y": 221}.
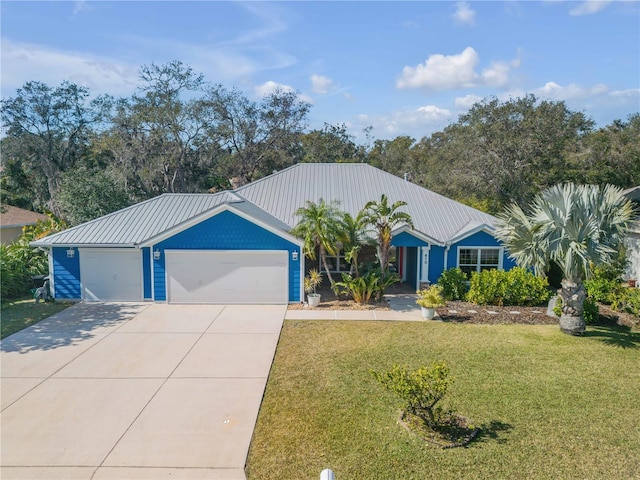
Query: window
{"x": 336, "y": 263}
{"x": 476, "y": 259}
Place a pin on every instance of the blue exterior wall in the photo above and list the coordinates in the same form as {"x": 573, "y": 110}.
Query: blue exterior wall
{"x": 226, "y": 231}
{"x": 146, "y": 272}
{"x": 405, "y": 239}
{"x": 480, "y": 239}
{"x": 436, "y": 263}
{"x": 66, "y": 273}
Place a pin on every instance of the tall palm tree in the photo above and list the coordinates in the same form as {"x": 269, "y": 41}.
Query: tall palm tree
{"x": 354, "y": 230}
{"x": 320, "y": 227}
{"x": 576, "y": 226}
{"x": 384, "y": 218}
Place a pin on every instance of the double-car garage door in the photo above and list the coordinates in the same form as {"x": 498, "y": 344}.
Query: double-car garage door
{"x": 192, "y": 276}
{"x": 232, "y": 276}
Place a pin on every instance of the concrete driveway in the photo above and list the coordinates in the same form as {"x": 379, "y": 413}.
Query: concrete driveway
{"x": 136, "y": 391}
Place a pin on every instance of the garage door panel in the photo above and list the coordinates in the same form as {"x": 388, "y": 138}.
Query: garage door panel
{"x": 111, "y": 275}
{"x": 227, "y": 277}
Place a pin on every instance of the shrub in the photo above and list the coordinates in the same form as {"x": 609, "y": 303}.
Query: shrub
{"x": 518, "y": 286}
{"x": 420, "y": 390}
{"x": 627, "y": 301}
{"x": 591, "y": 312}
{"x": 454, "y": 283}
{"x": 431, "y": 297}
{"x": 19, "y": 261}
{"x": 365, "y": 287}
{"x": 602, "y": 289}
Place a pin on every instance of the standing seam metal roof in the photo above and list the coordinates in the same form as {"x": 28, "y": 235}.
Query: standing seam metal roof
{"x": 274, "y": 200}
{"x": 355, "y": 184}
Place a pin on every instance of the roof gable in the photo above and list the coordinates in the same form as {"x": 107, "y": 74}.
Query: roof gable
{"x": 353, "y": 185}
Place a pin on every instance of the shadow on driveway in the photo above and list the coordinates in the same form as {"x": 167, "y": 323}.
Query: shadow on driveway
{"x": 74, "y": 324}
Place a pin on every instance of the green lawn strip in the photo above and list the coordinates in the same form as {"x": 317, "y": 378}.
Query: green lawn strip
{"x": 549, "y": 405}
{"x": 19, "y": 314}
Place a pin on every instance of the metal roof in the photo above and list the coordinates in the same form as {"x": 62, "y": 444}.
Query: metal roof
{"x": 355, "y": 184}
{"x": 135, "y": 224}
{"x": 273, "y": 201}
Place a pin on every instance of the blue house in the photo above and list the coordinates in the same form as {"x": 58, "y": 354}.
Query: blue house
{"x": 235, "y": 246}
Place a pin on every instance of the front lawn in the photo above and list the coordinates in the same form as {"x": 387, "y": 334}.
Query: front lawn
{"x": 19, "y": 314}
{"x": 549, "y": 405}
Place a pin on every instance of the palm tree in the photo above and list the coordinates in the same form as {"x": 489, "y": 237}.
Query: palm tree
{"x": 320, "y": 227}
{"x": 578, "y": 227}
{"x": 384, "y": 218}
{"x": 354, "y": 238}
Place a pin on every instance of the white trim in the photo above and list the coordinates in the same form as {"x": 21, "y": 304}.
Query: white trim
{"x": 404, "y": 263}
{"x": 193, "y": 221}
{"x": 425, "y": 252}
{"x": 416, "y": 233}
{"x": 485, "y": 247}
{"x": 488, "y": 229}
{"x": 52, "y": 282}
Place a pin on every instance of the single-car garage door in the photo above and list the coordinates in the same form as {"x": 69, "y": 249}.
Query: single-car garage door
{"x": 111, "y": 274}
{"x": 229, "y": 276}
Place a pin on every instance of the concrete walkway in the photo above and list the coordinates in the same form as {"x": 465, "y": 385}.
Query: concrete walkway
{"x": 136, "y": 391}
{"x": 402, "y": 307}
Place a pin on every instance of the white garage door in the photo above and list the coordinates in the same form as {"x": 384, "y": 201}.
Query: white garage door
{"x": 230, "y": 276}
{"x": 111, "y": 274}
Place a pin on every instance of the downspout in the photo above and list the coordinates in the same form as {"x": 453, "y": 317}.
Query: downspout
{"x": 446, "y": 255}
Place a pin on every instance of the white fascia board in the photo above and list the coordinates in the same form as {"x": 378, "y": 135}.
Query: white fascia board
{"x": 416, "y": 233}
{"x": 210, "y": 214}
{"x": 83, "y": 245}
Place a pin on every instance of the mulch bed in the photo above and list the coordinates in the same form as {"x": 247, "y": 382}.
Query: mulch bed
{"x": 465, "y": 312}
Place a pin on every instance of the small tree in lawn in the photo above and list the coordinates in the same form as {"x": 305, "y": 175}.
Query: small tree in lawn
{"x": 320, "y": 227}
{"x": 578, "y": 227}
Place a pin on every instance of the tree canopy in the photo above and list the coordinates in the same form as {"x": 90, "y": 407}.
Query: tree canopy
{"x": 179, "y": 133}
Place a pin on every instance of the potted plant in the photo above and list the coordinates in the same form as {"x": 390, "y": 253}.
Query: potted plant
{"x": 429, "y": 299}
{"x": 311, "y": 281}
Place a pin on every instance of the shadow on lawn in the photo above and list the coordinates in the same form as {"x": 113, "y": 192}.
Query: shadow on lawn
{"x": 614, "y": 335}
{"x": 492, "y": 431}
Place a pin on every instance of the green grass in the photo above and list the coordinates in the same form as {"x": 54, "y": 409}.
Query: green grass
{"x": 19, "y": 314}
{"x": 550, "y": 405}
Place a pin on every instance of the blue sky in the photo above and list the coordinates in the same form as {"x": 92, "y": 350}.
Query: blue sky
{"x": 404, "y": 68}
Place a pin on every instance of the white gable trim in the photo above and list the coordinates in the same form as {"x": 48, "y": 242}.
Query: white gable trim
{"x": 212, "y": 213}
{"x": 419, "y": 235}
{"x": 480, "y": 228}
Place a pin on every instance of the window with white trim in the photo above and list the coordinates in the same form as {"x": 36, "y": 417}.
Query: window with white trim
{"x": 476, "y": 259}
{"x": 336, "y": 263}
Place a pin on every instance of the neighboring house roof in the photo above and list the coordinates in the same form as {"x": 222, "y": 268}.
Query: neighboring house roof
{"x": 355, "y": 184}
{"x": 11, "y": 216}
{"x": 632, "y": 193}
{"x": 273, "y": 200}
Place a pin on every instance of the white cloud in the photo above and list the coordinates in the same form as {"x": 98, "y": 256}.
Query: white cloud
{"x": 269, "y": 87}
{"x": 321, "y": 84}
{"x": 464, "y": 14}
{"x": 629, "y": 92}
{"x": 442, "y": 72}
{"x": 466, "y": 102}
{"x": 589, "y": 7}
{"x": 22, "y": 62}
{"x": 416, "y": 122}
{"x": 553, "y": 91}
